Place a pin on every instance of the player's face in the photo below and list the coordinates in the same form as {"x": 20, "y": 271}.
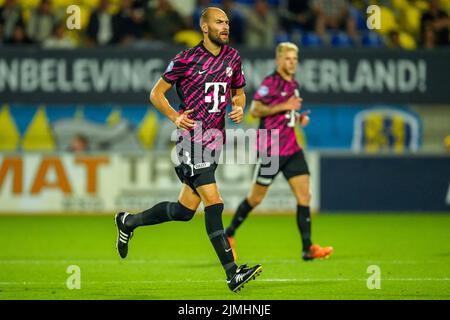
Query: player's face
{"x": 287, "y": 62}
{"x": 219, "y": 28}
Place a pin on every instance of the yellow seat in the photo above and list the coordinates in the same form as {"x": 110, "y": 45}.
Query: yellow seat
{"x": 399, "y": 4}
{"x": 407, "y": 41}
{"x": 411, "y": 19}
{"x": 188, "y": 37}
{"x": 388, "y": 21}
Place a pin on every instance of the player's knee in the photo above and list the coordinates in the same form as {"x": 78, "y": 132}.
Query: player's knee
{"x": 254, "y": 201}
{"x": 304, "y": 198}
{"x": 178, "y": 212}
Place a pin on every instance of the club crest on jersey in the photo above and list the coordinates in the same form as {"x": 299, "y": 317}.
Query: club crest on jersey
{"x": 263, "y": 91}
{"x": 215, "y": 97}
{"x": 229, "y": 72}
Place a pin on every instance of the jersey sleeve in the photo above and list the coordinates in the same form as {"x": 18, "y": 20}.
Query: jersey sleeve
{"x": 176, "y": 69}
{"x": 238, "y": 80}
{"x": 265, "y": 92}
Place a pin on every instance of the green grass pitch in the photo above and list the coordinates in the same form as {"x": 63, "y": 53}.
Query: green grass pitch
{"x": 175, "y": 260}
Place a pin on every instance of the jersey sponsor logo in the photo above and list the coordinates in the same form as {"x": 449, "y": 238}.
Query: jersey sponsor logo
{"x": 263, "y": 91}
{"x": 215, "y": 98}
{"x": 202, "y": 165}
{"x": 202, "y": 72}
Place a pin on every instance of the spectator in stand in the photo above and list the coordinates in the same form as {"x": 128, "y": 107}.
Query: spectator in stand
{"x": 393, "y": 40}
{"x": 164, "y": 21}
{"x": 19, "y": 36}
{"x": 42, "y": 22}
{"x": 201, "y": 5}
{"x": 237, "y": 23}
{"x": 79, "y": 144}
{"x": 297, "y": 15}
{"x": 262, "y": 25}
{"x": 129, "y": 22}
{"x": 334, "y": 15}
{"x": 59, "y": 40}
{"x": 435, "y": 26}
{"x": 100, "y": 30}
{"x": 10, "y": 18}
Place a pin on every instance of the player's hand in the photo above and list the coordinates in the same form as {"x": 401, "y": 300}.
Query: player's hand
{"x": 303, "y": 118}
{"x": 293, "y": 103}
{"x": 183, "y": 122}
{"x": 237, "y": 114}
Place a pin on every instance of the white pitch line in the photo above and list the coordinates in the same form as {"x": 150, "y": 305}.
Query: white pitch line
{"x": 181, "y": 261}
{"x": 125, "y": 283}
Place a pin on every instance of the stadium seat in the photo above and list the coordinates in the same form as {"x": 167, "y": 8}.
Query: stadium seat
{"x": 190, "y": 38}
{"x": 399, "y": 4}
{"x": 372, "y": 39}
{"x": 310, "y": 39}
{"x": 407, "y": 41}
{"x": 341, "y": 40}
{"x": 411, "y": 19}
{"x": 388, "y": 21}
{"x": 282, "y": 37}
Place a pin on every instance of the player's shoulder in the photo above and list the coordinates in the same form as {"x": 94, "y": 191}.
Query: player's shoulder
{"x": 187, "y": 54}
{"x": 231, "y": 52}
{"x": 270, "y": 78}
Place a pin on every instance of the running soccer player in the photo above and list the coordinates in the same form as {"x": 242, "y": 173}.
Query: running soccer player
{"x": 275, "y": 103}
{"x": 205, "y": 77}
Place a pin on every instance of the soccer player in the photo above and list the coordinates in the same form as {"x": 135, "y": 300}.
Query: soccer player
{"x": 275, "y": 103}
{"x": 205, "y": 76}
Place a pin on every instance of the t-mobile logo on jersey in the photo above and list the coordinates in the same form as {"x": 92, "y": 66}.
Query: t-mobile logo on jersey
{"x": 215, "y": 96}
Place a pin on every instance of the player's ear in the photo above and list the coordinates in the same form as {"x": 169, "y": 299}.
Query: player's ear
{"x": 204, "y": 27}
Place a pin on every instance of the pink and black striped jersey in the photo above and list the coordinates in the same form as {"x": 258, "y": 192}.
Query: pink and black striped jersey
{"x": 275, "y": 90}
{"x": 203, "y": 83}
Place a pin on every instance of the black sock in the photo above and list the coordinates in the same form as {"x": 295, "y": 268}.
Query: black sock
{"x": 304, "y": 226}
{"x": 239, "y": 217}
{"x": 214, "y": 228}
{"x": 159, "y": 213}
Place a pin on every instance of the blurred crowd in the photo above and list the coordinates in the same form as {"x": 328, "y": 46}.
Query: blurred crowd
{"x": 406, "y": 24}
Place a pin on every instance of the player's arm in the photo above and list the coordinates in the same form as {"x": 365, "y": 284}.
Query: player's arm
{"x": 238, "y": 105}
{"x": 261, "y": 110}
{"x": 159, "y": 100}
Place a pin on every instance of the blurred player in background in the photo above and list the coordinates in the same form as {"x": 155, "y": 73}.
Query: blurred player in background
{"x": 275, "y": 103}
{"x": 205, "y": 77}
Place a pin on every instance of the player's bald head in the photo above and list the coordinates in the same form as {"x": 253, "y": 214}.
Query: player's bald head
{"x": 208, "y": 13}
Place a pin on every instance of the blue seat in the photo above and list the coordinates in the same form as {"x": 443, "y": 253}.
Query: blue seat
{"x": 341, "y": 40}
{"x": 372, "y": 39}
{"x": 282, "y": 37}
{"x": 310, "y": 39}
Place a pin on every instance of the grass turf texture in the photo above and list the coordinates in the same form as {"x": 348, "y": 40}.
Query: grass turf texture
{"x": 175, "y": 260}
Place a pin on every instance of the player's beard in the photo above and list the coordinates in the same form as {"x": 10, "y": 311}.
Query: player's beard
{"x": 216, "y": 40}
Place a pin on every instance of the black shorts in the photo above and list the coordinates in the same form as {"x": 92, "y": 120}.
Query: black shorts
{"x": 195, "y": 178}
{"x": 195, "y": 170}
{"x": 291, "y": 166}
